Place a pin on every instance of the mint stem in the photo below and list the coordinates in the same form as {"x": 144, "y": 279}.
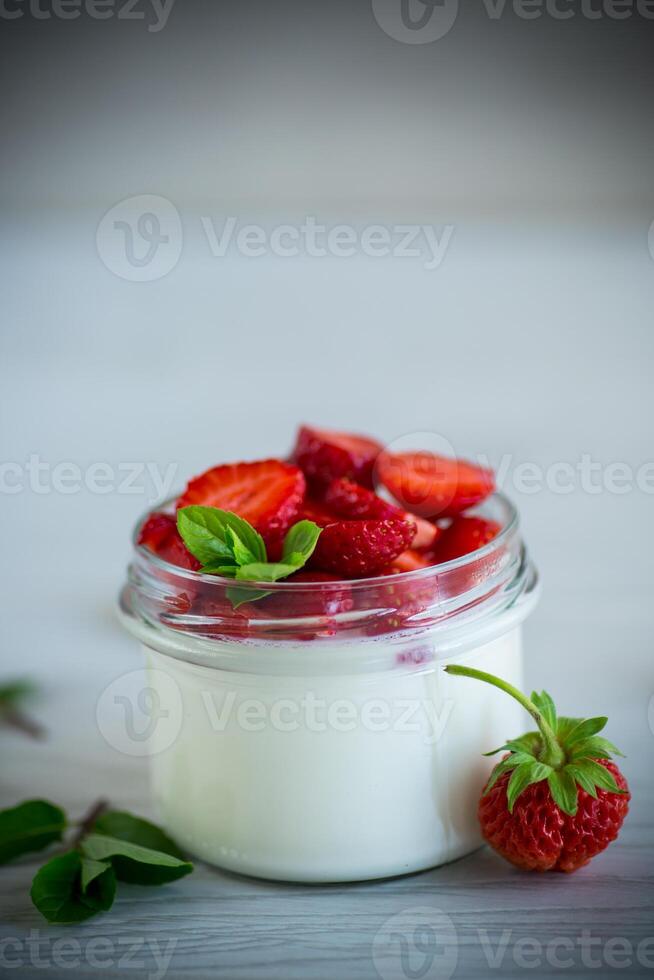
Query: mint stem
{"x": 88, "y": 820}
{"x": 552, "y": 754}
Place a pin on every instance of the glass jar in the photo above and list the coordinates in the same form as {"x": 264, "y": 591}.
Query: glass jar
{"x": 317, "y": 736}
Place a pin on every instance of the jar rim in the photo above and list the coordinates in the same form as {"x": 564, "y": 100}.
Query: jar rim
{"x": 509, "y": 527}
{"x": 161, "y": 598}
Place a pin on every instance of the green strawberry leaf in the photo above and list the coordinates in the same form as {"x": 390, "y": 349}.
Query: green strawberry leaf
{"x": 30, "y": 826}
{"x": 134, "y": 863}
{"x": 582, "y": 778}
{"x": 595, "y": 747}
{"x": 63, "y": 891}
{"x": 601, "y": 776}
{"x": 521, "y": 777}
{"x": 545, "y": 705}
{"x": 136, "y": 830}
{"x": 583, "y": 730}
{"x": 511, "y": 761}
{"x": 564, "y": 726}
{"x": 564, "y": 790}
{"x": 529, "y": 743}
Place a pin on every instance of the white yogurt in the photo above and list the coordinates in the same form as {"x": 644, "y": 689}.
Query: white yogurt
{"x": 332, "y": 777}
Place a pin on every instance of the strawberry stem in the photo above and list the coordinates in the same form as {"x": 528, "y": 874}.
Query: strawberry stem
{"x": 552, "y": 754}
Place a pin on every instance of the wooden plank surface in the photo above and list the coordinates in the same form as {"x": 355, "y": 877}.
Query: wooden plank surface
{"x": 474, "y": 918}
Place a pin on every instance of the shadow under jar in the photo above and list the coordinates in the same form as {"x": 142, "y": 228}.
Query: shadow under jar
{"x": 311, "y": 733}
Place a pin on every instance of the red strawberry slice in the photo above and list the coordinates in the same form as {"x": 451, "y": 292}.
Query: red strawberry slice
{"x": 427, "y": 534}
{"x": 328, "y": 601}
{"x": 314, "y": 510}
{"x": 268, "y": 494}
{"x": 324, "y": 455}
{"x": 351, "y": 501}
{"x": 354, "y": 549}
{"x": 433, "y": 486}
{"x": 464, "y": 535}
{"x": 409, "y": 561}
{"x": 160, "y": 535}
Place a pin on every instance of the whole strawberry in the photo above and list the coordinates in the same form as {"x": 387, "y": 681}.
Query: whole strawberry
{"x": 556, "y": 800}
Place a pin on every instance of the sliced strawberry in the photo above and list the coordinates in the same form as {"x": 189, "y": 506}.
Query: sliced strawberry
{"x": 160, "y": 535}
{"x": 324, "y": 455}
{"x": 327, "y": 601}
{"x": 314, "y": 510}
{"x": 268, "y": 494}
{"x": 352, "y": 502}
{"x": 433, "y": 486}
{"x": 354, "y": 549}
{"x": 427, "y": 533}
{"x": 409, "y": 561}
{"x": 464, "y": 535}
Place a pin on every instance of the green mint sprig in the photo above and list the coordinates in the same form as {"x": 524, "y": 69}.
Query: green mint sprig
{"x": 13, "y": 696}
{"x": 227, "y": 545}
{"x": 108, "y": 846}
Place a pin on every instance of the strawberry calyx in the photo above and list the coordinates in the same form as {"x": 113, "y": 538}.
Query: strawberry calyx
{"x": 566, "y": 752}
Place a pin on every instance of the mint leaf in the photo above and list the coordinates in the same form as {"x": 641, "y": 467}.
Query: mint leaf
{"x": 238, "y": 596}
{"x": 241, "y": 552}
{"x": 227, "y": 571}
{"x": 14, "y": 692}
{"x": 134, "y": 863}
{"x": 136, "y": 830}
{"x": 300, "y": 542}
{"x": 30, "y": 826}
{"x": 204, "y": 531}
{"x": 60, "y": 896}
{"x": 265, "y": 571}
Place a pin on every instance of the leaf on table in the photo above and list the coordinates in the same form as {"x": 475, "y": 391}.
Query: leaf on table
{"x": 134, "y": 863}
{"x": 136, "y": 830}
{"x": 64, "y": 891}
{"x": 30, "y": 826}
